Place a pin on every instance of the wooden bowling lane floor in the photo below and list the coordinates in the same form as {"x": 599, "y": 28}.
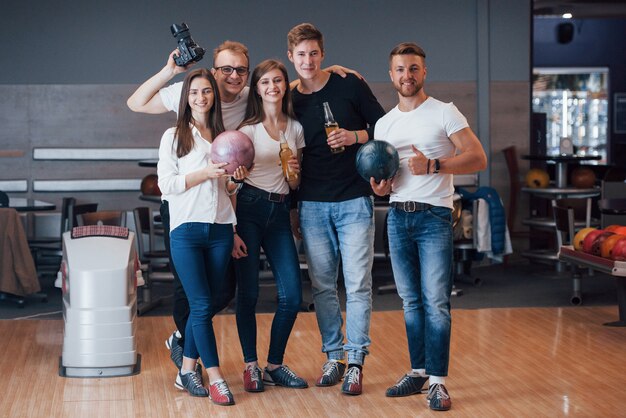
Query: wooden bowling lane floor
{"x": 523, "y": 362}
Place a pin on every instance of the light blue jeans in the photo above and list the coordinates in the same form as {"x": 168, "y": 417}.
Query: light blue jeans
{"x": 335, "y": 231}
{"x": 421, "y": 249}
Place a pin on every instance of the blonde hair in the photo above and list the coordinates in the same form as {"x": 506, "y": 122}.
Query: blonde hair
{"x": 233, "y": 46}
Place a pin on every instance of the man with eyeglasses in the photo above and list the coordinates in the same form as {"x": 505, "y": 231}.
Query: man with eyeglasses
{"x": 231, "y": 70}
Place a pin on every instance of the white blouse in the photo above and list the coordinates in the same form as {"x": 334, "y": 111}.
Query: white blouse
{"x": 206, "y": 202}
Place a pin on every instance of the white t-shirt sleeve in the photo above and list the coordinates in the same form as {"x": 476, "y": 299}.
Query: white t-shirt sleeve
{"x": 170, "y": 96}
{"x": 299, "y": 135}
{"x": 453, "y": 119}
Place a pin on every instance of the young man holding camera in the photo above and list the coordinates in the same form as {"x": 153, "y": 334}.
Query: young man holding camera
{"x": 230, "y": 69}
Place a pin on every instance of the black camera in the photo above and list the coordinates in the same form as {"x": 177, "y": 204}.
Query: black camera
{"x": 189, "y": 51}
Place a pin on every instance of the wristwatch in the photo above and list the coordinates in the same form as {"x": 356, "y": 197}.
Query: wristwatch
{"x": 234, "y": 180}
{"x": 437, "y": 166}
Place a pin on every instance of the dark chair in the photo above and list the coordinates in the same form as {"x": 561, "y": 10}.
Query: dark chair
{"x": 102, "y": 217}
{"x": 77, "y": 210}
{"x": 154, "y": 263}
{"x": 4, "y": 200}
{"x": 48, "y": 251}
{"x": 565, "y": 232}
{"x": 47, "y": 242}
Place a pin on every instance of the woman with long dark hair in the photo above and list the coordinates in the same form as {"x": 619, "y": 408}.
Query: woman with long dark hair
{"x": 202, "y": 219}
{"x": 263, "y": 221}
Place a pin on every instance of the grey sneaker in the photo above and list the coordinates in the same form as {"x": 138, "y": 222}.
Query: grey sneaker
{"x": 438, "y": 398}
{"x": 407, "y": 385}
{"x": 192, "y": 384}
{"x": 284, "y": 376}
{"x": 332, "y": 371}
{"x": 176, "y": 350}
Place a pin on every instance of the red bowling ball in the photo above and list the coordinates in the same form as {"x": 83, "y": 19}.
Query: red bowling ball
{"x": 150, "y": 185}
{"x": 234, "y": 148}
{"x": 596, "y": 246}
{"x": 590, "y": 238}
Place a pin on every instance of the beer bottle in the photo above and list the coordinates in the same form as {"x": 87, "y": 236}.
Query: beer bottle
{"x": 285, "y": 154}
{"x": 330, "y": 125}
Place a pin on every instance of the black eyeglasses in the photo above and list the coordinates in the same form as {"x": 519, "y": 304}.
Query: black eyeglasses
{"x": 227, "y": 70}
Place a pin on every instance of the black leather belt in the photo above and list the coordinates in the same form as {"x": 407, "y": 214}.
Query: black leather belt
{"x": 272, "y": 197}
{"x": 411, "y": 206}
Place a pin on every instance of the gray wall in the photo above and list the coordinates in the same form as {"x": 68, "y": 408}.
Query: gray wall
{"x": 118, "y": 42}
{"x": 68, "y": 67}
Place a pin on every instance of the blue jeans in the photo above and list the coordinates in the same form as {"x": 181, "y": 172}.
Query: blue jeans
{"x": 332, "y": 230}
{"x": 201, "y": 252}
{"x": 421, "y": 249}
{"x": 261, "y": 223}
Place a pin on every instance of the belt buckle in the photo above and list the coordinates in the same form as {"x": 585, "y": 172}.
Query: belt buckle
{"x": 275, "y": 197}
{"x": 409, "y": 206}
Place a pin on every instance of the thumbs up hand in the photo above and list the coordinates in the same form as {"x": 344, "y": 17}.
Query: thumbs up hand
{"x": 418, "y": 164}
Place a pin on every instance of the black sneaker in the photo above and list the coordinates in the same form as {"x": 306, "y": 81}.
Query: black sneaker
{"x": 332, "y": 372}
{"x": 176, "y": 350}
{"x": 284, "y": 376}
{"x": 438, "y": 398}
{"x": 407, "y": 385}
{"x": 192, "y": 383}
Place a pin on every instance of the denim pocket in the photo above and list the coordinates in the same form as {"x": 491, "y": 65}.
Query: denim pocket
{"x": 442, "y": 213}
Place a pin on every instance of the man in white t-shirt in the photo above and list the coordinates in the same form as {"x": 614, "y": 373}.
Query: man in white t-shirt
{"x": 231, "y": 69}
{"x": 434, "y": 142}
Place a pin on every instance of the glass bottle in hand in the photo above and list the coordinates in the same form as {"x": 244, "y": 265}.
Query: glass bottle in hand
{"x": 330, "y": 125}
{"x": 285, "y": 154}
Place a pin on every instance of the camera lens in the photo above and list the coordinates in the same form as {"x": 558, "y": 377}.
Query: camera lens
{"x": 180, "y": 31}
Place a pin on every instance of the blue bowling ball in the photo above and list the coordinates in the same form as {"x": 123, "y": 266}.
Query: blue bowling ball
{"x": 378, "y": 159}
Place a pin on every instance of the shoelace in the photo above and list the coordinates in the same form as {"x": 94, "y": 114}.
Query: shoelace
{"x": 222, "y": 388}
{"x": 439, "y": 392}
{"x": 289, "y": 372}
{"x": 254, "y": 373}
{"x": 195, "y": 379}
{"x": 329, "y": 368}
{"x": 353, "y": 375}
{"x": 404, "y": 379}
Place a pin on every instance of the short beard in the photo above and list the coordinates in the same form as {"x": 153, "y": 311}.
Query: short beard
{"x": 413, "y": 92}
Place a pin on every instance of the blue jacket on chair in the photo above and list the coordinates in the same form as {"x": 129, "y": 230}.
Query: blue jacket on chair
{"x": 497, "y": 218}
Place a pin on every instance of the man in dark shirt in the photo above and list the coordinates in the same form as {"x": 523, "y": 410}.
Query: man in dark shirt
{"x": 335, "y": 205}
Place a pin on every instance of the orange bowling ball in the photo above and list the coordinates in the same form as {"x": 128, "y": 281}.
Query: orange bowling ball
{"x": 537, "y": 178}
{"x": 580, "y": 237}
{"x": 619, "y": 251}
{"x": 621, "y": 230}
{"x": 606, "y": 248}
{"x": 612, "y": 228}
